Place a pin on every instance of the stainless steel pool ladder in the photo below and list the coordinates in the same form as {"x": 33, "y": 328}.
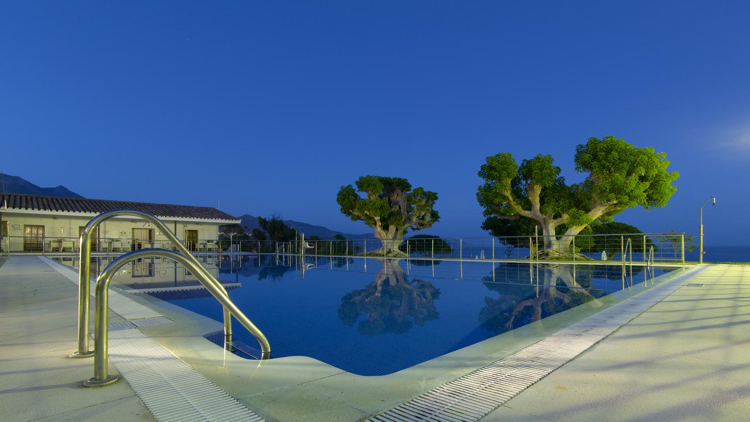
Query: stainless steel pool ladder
{"x": 627, "y": 248}
{"x": 101, "y": 327}
{"x": 650, "y": 260}
{"x": 84, "y": 277}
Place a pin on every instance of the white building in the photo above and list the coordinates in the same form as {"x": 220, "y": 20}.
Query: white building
{"x": 48, "y": 224}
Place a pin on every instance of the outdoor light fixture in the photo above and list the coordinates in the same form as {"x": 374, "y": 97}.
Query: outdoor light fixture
{"x": 701, "y": 232}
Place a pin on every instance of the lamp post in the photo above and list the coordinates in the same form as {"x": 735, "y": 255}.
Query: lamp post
{"x": 701, "y": 232}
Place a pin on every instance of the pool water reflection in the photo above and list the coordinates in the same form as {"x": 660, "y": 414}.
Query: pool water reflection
{"x": 379, "y": 316}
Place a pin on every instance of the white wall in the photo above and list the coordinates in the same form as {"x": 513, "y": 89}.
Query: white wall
{"x": 68, "y": 227}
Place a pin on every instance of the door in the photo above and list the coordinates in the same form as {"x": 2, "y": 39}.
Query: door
{"x": 191, "y": 240}
{"x": 4, "y": 235}
{"x": 33, "y": 238}
{"x": 142, "y": 238}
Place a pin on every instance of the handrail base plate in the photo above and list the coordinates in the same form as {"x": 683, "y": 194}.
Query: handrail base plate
{"x": 79, "y": 355}
{"x": 93, "y": 382}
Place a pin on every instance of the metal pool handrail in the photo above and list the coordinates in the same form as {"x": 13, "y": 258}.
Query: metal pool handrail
{"x": 628, "y": 247}
{"x": 84, "y": 273}
{"x": 101, "y": 329}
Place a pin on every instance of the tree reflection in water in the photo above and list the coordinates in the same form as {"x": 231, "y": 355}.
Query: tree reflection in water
{"x": 554, "y": 290}
{"x": 390, "y": 304}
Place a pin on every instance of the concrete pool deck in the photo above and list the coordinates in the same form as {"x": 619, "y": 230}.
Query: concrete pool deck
{"x": 38, "y": 382}
{"x": 684, "y": 359}
{"x": 38, "y": 306}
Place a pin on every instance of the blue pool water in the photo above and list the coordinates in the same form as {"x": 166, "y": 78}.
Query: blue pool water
{"x": 376, "y": 317}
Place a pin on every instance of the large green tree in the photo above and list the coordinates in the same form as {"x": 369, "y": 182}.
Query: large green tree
{"x": 618, "y": 176}
{"x": 277, "y": 229}
{"x": 612, "y": 237}
{"x": 426, "y": 245}
{"x": 390, "y": 206}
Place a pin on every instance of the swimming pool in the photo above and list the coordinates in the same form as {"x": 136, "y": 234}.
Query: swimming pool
{"x": 379, "y": 316}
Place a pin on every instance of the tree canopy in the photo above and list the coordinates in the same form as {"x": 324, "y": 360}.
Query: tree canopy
{"x": 612, "y": 245}
{"x": 390, "y": 206}
{"x": 276, "y": 229}
{"x": 425, "y": 245}
{"x": 259, "y": 234}
{"x": 674, "y": 241}
{"x": 618, "y": 176}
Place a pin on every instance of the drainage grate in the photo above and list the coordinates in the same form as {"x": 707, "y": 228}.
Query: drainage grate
{"x": 144, "y": 322}
{"x": 478, "y": 393}
{"x": 171, "y": 390}
{"x": 118, "y": 326}
{"x": 694, "y": 285}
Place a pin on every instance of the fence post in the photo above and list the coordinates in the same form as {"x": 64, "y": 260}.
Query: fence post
{"x": 682, "y": 239}
{"x": 531, "y": 248}
{"x": 622, "y": 250}
{"x": 644, "y": 248}
{"x": 630, "y": 248}
{"x": 407, "y": 249}
{"x": 493, "y": 258}
{"x": 460, "y": 249}
{"x": 574, "y": 250}
{"x": 432, "y": 249}
{"x": 365, "y": 247}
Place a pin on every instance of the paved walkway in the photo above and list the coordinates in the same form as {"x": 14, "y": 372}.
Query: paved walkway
{"x": 684, "y": 359}
{"x": 37, "y": 331}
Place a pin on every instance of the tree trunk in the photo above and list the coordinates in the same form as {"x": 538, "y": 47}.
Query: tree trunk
{"x": 559, "y": 247}
{"x": 554, "y": 246}
{"x": 390, "y": 247}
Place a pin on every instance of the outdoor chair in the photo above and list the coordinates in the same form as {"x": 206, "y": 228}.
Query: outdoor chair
{"x": 55, "y": 246}
{"x": 67, "y": 245}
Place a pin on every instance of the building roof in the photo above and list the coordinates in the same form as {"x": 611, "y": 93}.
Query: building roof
{"x": 17, "y": 201}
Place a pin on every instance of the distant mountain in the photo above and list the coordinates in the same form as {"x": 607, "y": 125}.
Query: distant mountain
{"x": 249, "y": 223}
{"x": 15, "y": 184}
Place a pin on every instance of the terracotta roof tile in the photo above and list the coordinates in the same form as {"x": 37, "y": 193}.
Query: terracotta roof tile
{"x": 83, "y": 205}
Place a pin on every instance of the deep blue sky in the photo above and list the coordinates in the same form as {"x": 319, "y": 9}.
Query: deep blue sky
{"x": 272, "y": 106}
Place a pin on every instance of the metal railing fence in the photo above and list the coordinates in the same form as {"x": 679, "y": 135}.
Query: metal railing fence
{"x": 668, "y": 247}
{"x": 69, "y": 244}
